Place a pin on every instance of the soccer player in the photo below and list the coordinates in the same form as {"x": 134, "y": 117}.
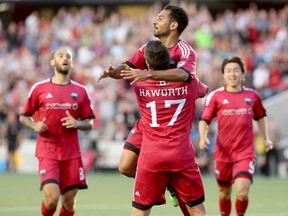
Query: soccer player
{"x": 167, "y": 155}
{"x": 235, "y": 106}
{"x": 168, "y": 26}
{"x": 63, "y": 107}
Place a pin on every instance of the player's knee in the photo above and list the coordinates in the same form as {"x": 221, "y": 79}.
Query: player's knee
{"x": 126, "y": 171}
{"x": 69, "y": 205}
{"x": 225, "y": 193}
{"x": 51, "y": 202}
{"x": 242, "y": 195}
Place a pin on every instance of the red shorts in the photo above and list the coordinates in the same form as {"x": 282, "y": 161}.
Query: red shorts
{"x": 227, "y": 172}
{"x": 67, "y": 174}
{"x": 134, "y": 140}
{"x": 149, "y": 188}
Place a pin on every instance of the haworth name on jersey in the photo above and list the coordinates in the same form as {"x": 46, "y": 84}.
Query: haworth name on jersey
{"x": 163, "y": 92}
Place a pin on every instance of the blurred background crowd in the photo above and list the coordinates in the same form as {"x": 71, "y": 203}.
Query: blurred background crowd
{"x": 100, "y": 35}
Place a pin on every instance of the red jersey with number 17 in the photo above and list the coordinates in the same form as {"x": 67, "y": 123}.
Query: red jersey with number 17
{"x": 235, "y": 113}
{"x": 51, "y": 101}
{"x": 167, "y": 112}
{"x": 182, "y": 55}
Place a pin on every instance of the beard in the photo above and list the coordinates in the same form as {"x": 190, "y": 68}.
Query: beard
{"x": 62, "y": 69}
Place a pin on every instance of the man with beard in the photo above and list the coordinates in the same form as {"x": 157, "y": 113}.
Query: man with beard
{"x": 63, "y": 107}
{"x": 168, "y": 27}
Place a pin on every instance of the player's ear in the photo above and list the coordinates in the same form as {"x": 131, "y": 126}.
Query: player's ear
{"x": 52, "y": 62}
{"x": 174, "y": 25}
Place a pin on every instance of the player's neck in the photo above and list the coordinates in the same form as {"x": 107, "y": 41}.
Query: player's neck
{"x": 169, "y": 41}
{"x": 60, "y": 79}
{"x": 233, "y": 88}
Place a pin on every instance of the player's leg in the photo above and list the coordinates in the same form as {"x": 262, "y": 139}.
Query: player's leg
{"x": 72, "y": 179}
{"x": 129, "y": 157}
{"x": 68, "y": 203}
{"x": 243, "y": 172}
{"x": 49, "y": 172}
{"x": 149, "y": 190}
{"x": 188, "y": 187}
{"x": 225, "y": 200}
{"x": 242, "y": 186}
{"x": 51, "y": 197}
{"x": 128, "y": 163}
{"x": 223, "y": 175}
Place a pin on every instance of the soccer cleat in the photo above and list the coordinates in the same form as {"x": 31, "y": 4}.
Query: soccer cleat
{"x": 173, "y": 197}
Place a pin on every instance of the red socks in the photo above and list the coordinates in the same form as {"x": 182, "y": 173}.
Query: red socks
{"x": 225, "y": 207}
{"x": 64, "y": 212}
{"x": 241, "y": 207}
{"x": 183, "y": 208}
{"x": 46, "y": 212}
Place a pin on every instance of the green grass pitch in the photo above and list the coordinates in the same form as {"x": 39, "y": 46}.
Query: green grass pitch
{"x": 109, "y": 194}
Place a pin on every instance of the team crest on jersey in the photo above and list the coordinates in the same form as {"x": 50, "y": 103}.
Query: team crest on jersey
{"x": 74, "y": 96}
{"x": 248, "y": 100}
{"x": 172, "y": 64}
{"x": 181, "y": 63}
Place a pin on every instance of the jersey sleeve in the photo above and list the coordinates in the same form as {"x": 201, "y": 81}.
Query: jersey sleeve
{"x": 137, "y": 60}
{"x": 210, "y": 107}
{"x": 202, "y": 90}
{"x": 187, "y": 59}
{"x": 258, "y": 109}
{"x": 32, "y": 103}
{"x": 86, "y": 110}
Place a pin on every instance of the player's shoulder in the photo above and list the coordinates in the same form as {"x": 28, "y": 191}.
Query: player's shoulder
{"x": 250, "y": 91}
{"x": 40, "y": 84}
{"x": 77, "y": 84}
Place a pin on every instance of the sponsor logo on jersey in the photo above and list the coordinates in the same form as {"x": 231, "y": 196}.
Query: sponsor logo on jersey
{"x": 74, "y": 96}
{"x": 248, "y": 100}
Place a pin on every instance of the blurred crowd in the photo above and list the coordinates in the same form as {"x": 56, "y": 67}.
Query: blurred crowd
{"x": 100, "y": 36}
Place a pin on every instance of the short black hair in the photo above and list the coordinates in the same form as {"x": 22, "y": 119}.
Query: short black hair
{"x": 179, "y": 15}
{"x": 157, "y": 55}
{"x": 234, "y": 59}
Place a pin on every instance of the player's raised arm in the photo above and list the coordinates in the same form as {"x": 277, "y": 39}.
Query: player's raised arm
{"x": 113, "y": 72}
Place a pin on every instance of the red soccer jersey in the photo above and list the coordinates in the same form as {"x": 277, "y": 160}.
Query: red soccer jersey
{"x": 167, "y": 112}
{"x": 51, "y": 101}
{"x": 182, "y": 55}
{"x": 235, "y": 113}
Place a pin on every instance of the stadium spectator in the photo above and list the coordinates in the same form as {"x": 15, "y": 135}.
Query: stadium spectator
{"x": 63, "y": 106}
{"x": 235, "y": 106}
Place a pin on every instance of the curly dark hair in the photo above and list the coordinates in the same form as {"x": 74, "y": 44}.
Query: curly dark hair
{"x": 179, "y": 15}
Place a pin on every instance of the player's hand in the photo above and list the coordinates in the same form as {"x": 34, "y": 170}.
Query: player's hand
{"x": 40, "y": 126}
{"x": 69, "y": 121}
{"x": 268, "y": 144}
{"x": 106, "y": 73}
{"x": 203, "y": 144}
{"x": 135, "y": 74}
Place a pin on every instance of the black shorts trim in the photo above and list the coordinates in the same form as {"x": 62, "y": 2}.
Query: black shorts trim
{"x": 79, "y": 187}
{"x": 143, "y": 207}
{"x": 196, "y": 202}
{"x": 243, "y": 173}
{"x": 48, "y": 181}
{"x": 131, "y": 147}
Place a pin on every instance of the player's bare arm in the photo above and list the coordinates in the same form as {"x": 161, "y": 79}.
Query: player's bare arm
{"x": 113, "y": 72}
{"x": 28, "y": 122}
{"x": 262, "y": 125}
{"x": 70, "y": 122}
{"x": 170, "y": 75}
{"x": 203, "y": 135}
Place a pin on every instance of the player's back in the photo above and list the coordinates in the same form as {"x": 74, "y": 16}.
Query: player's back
{"x": 167, "y": 112}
